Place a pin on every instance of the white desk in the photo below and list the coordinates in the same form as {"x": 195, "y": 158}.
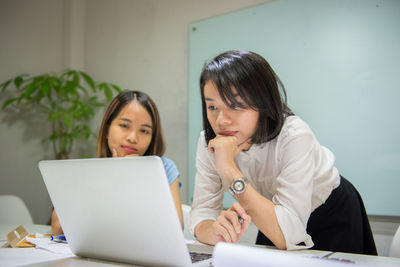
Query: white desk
{"x": 368, "y": 260}
{"x": 39, "y": 257}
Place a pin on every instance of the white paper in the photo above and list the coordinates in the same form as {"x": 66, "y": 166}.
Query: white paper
{"x": 232, "y": 255}
{"x": 54, "y": 247}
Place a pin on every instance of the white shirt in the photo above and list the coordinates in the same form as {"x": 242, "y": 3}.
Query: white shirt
{"x": 293, "y": 171}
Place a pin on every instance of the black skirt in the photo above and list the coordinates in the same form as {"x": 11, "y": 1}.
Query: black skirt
{"x": 340, "y": 224}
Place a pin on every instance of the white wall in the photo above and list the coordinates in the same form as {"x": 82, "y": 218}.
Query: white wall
{"x": 143, "y": 45}
{"x": 31, "y": 42}
{"x": 137, "y": 44}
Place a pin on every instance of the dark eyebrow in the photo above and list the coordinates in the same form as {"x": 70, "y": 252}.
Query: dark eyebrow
{"x": 148, "y": 126}
{"x": 125, "y": 119}
{"x": 128, "y": 120}
{"x": 212, "y": 99}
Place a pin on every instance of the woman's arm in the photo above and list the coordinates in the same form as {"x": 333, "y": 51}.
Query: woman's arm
{"x": 204, "y": 232}
{"x": 55, "y": 224}
{"x": 262, "y": 212}
{"x": 259, "y": 208}
{"x": 227, "y": 227}
{"x": 177, "y": 199}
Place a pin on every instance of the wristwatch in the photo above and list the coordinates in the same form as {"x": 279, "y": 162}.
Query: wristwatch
{"x": 238, "y": 186}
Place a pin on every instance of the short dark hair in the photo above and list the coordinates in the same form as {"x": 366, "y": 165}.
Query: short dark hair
{"x": 157, "y": 144}
{"x": 256, "y": 84}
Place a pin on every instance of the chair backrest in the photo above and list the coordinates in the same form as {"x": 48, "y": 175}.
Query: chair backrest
{"x": 13, "y": 210}
{"x": 394, "y": 250}
{"x": 186, "y": 230}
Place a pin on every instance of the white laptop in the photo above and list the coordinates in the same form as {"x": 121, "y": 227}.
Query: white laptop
{"x": 117, "y": 209}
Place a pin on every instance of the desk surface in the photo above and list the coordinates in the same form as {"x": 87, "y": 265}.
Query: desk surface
{"x": 39, "y": 257}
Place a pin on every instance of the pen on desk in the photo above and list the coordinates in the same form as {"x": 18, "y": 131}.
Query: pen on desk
{"x": 328, "y": 255}
{"x": 58, "y": 238}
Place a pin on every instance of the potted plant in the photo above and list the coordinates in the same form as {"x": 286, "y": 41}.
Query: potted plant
{"x": 68, "y": 101}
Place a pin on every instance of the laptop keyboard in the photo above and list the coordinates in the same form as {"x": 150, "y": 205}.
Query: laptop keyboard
{"x": 196, "y": 256}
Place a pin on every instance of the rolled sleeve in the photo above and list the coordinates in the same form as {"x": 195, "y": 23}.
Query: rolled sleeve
{"x": 292, "y": 229}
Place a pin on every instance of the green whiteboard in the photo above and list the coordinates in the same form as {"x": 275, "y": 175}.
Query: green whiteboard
{"x": 340, "y": 63}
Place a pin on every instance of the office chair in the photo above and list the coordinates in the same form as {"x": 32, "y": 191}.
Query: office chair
{"x": 394, "y": 250}
{"x": 14, "y": 211}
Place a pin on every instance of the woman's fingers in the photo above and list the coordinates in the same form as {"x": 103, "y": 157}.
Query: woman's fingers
{"x": 227, "y": 142}
{"x": 228, "y": 227}
{"x": 234, "y": 220}
{"x": 114, "y": 153}
{"x": 221, "y": 232}
{"x": 241, "y": 213}
{"x": 246, "y": 223}
{"x": 243, "y": 218}
{"x": 236, "y": 207}
{"x": 222, "y": 142}
{"x": 132, "y": 155}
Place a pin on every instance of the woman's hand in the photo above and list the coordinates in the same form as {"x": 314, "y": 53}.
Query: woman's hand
{"x": 115, "y": 154}
{"x": 231, "y": 224}
{"x": 225, "y": 149}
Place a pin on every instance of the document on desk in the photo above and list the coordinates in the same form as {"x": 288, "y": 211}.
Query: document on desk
{"x": 54, "y": 247}
{"x": 234, "y": 255}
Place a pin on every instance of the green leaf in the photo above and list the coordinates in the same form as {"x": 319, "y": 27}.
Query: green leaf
{"x": 68, "y": 73}
{"x": 70, "y": 88}
{"x": 53, "y": 137}
{"x": 8, "y": 102}
{"x": 5, "y": 84}
{"x": 102, "y": 86}
{"x": 38, "y": 97}
{"x": 54, "y": 116}
{"x": 98, "y": 104}
{"x": 46, "y": 87}
{"x": 76, "y": 78}
{"x": 88, "y": 80}
{"x": 83, "y": 89}
{"x": 90, "y": 111}
{"x": 108, "y": 93}
{"x": 68, "y": 120}
{"x": 116, "y": 88}
{"x": 31, "y": 88}
{"x": 86, "y": 131}
{"x": 55, "y": 83}
{"x": 92, "y": 99}
{"x": 18, "y": 81}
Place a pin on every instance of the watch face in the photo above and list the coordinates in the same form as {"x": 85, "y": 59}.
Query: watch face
{"x": 238, "y": 185}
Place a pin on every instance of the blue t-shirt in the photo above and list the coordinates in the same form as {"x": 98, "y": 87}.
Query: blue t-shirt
{"x": 171, "y": 170}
